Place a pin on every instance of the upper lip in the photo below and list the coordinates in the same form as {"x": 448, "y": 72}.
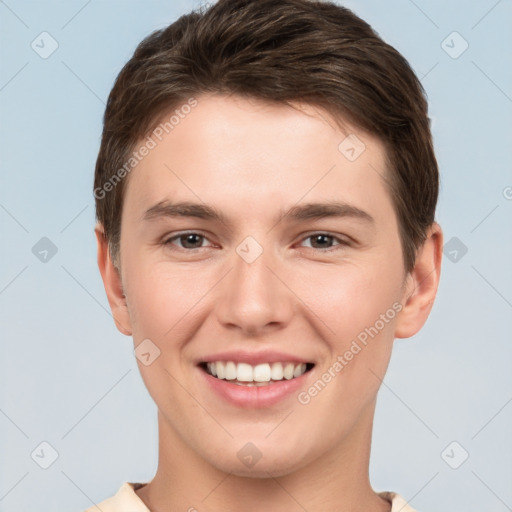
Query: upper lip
{"x": 254, "y": 358}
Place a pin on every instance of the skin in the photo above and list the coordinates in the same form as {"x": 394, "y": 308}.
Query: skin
{"x": 304, "y": 296}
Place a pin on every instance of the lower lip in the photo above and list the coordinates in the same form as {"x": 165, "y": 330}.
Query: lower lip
{"x": 254, "y": 396}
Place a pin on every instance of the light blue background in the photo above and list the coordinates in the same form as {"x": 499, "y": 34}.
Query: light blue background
{"x": 70, "y": 379}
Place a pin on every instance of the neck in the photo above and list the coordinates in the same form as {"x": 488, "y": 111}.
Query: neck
{"x": 335, "y": 481}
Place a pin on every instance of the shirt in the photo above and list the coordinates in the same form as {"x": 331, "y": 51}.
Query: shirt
{"x": 126, "y": 500}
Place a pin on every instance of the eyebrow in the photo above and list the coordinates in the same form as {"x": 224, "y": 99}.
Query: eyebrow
{"x": 308, "y": 211}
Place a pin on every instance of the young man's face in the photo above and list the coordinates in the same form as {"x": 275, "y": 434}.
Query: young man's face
{"x": 265, "y": 285}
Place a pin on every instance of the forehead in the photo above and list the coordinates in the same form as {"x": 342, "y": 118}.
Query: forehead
{"x": 234, "y": 152}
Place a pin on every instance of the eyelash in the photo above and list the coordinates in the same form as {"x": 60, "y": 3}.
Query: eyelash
{"x": 341, "y": 242}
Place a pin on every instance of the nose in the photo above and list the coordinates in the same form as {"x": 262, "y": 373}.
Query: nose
{"x": 254, "y": 297}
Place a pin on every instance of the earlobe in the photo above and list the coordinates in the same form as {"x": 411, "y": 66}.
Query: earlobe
{"x": 421, "y": 287}
{"x": 112, "y": 283}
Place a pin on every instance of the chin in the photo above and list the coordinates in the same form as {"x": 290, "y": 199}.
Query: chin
{"x": 249, "y": 461}
{"x": 262, "y": 469}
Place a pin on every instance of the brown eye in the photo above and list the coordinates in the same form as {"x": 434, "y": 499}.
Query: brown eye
{"x": 324, "y": 241}
{"x": 321, "y": 240}
{"x": 187, "y": 240}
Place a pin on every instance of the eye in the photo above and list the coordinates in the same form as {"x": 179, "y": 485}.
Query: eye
{"x": 190, "y": 240}
{"x": 324, "y": 241}
{"x": 193, "y": 240}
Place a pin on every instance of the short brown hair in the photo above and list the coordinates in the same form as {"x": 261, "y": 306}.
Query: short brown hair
{"x": 314, "y": 52}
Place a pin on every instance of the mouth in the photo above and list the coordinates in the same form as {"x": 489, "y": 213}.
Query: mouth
{"x": 247, "y": 375}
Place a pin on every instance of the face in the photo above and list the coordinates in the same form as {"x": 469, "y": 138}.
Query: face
{"x": 254, "y": 246}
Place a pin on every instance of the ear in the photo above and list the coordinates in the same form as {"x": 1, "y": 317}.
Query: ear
{"x": 421, "y": 285}
{"x": 113, "y": 284}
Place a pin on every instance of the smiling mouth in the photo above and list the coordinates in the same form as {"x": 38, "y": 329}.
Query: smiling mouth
{"x": 265, "y": 374}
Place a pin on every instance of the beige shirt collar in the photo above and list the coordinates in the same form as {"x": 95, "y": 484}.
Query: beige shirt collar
{"x": 126, "y": 500}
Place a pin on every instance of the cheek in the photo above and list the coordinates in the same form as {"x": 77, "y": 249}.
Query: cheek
{"x": 351, "y": 298}
{"x": 364, "y": 326}
{"x": 160, "y": 297}
{"x": 359, "y": 307}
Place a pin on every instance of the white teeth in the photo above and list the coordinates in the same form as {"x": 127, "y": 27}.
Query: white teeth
{"x": 288, "y": 371}
{"x": 244, "y": 372}
{"x": 231, "y": 371}
{"x": 212, "y": 368}
{"x": 277, "y": 371}
{"x": 299, "y": 370}
{"x": 221, "y": 371}
{"x": 262, "y": 373}
{"x": 248, "y": 375}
